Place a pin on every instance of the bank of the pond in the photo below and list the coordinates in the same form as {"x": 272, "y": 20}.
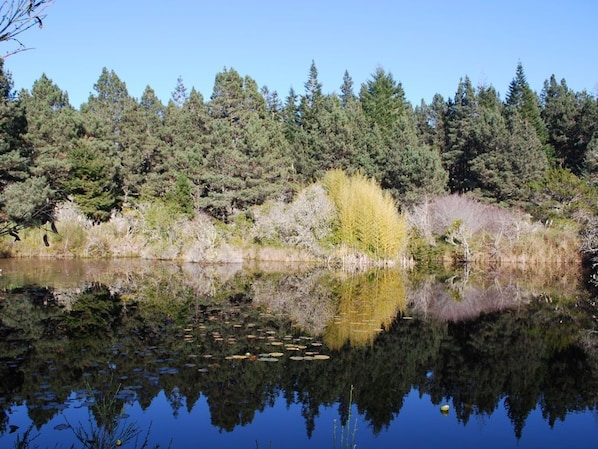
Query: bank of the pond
{"x": 447, "y": 230}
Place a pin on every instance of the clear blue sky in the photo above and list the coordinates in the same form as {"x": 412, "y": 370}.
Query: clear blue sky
{"x": 428, "y": 45}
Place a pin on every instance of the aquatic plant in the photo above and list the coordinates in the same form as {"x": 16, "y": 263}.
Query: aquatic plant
{"x": 344, "y": 437}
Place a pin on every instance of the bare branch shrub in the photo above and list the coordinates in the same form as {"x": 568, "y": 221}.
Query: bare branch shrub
{"x": 303, "y": 223}
{"x": 488, "y": 232}
{"x": 438, "y": 215}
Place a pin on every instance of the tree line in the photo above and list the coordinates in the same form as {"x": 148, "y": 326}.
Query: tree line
{"x": 245, "y": 144}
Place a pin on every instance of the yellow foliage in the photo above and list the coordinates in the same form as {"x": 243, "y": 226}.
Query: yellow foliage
{"x": 368, "y": 218}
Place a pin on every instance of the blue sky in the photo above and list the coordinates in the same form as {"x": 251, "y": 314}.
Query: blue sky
{"x": 428, "y": 45}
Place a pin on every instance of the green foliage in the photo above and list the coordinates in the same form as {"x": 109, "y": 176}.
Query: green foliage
{"x": 488, "y": 151}
{"x": 522, "y": 100}
{"x": 368, "y": 218}
{"x": 383, "y": 100}
{"x": 94, "y": 181}
{"x": 29, "y": 183}
{"x": 180, "y": 196}
{"x": 562, "y": 195}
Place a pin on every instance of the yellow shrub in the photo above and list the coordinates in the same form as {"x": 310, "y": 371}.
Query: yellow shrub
{"x": 368, "y": 218}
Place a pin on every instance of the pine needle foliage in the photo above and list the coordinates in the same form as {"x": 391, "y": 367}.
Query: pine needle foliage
{"x": 368, "y": 218}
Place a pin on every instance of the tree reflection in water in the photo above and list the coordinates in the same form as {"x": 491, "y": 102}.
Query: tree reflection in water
{"x": 477, "y": 343}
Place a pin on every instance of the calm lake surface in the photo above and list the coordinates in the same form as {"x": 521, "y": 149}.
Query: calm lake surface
{"x": 138, "y": 354}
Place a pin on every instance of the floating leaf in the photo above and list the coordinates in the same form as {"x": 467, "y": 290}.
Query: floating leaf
{"x": 62, "y": 427}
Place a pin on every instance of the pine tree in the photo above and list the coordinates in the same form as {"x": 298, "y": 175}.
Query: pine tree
{"x": 243, "y": 164}
{"x": 53, "y": 129}
{"x": 508, "y": 153}
{"x": 347, "y": 96}
{"x": 143, "y": 154}
{"x": 94, "y": 184}
{"x": 383, "y": 101}
{"x": 560, "y": 114}
{"x": 179, "y": 95}
{"x": 186, "y": 134}
{"x": 26, "y": 199}
{"x": 521, "y": 99}
{"x": 458, "y": 148}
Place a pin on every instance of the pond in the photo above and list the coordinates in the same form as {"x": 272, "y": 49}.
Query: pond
{"x": 102, "y": 354}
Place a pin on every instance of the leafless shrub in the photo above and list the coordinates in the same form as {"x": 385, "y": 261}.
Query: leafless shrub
{"x": 70, "y": 212}
{"x": 304, "y": 223}
{"x": 438, "y": 216}
{"x": 483, "y": 232}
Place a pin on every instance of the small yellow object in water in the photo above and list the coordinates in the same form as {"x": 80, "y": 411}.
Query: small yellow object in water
{"x": 445, "y": 408}
{"x": 119, "y": 443}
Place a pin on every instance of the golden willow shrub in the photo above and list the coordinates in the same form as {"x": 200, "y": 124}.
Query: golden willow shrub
{"x": 369, "y": 221}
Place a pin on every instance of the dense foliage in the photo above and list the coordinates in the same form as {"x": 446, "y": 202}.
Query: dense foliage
{"x": 244, "y": 146}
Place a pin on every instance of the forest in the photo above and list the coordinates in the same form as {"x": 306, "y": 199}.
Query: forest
{"x": 221, "y": 157}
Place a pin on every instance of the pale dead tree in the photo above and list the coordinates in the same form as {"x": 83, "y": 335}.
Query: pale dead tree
{"x": 17, "y": 16}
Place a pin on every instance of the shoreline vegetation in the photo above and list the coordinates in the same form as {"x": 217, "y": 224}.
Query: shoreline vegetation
{"x": 343, "y": 221}
{"x": 350, "y": 180}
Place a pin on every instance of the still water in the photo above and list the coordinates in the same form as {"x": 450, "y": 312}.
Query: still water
{"x": 144, "y": 355}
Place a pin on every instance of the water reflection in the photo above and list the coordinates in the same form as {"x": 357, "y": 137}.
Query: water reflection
{"x": 115, "y": 335}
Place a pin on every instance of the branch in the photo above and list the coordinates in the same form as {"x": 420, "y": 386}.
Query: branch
{"x": 17, "y": 16}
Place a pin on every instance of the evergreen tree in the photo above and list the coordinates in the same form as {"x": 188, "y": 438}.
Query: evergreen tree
{"x": 243, "y": 164}
{"x": 94, "y": 184}
{"x": 560, "y": 114}
{"x": 458, "y": 148}
{"x": 106, "y": 108}
{"x": 53, "y": 127}
{"x": 383, "y": 101}
{"x": 26, "y": 199}
{"x": 347, "y": 96}
{"x": 430, "y": 121}
{"x": 106, "y": 116}
{"x": 179, "y": 95}
{"x": 522, "y": 100}
{"x": 313, "y": 94}
{"x": 273, "y": 103}
{"x": 186, "y": 136}
{"x": 14, "y": 158}
{"x": 586, "y": 134}
{"x": 143, "y": 155}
